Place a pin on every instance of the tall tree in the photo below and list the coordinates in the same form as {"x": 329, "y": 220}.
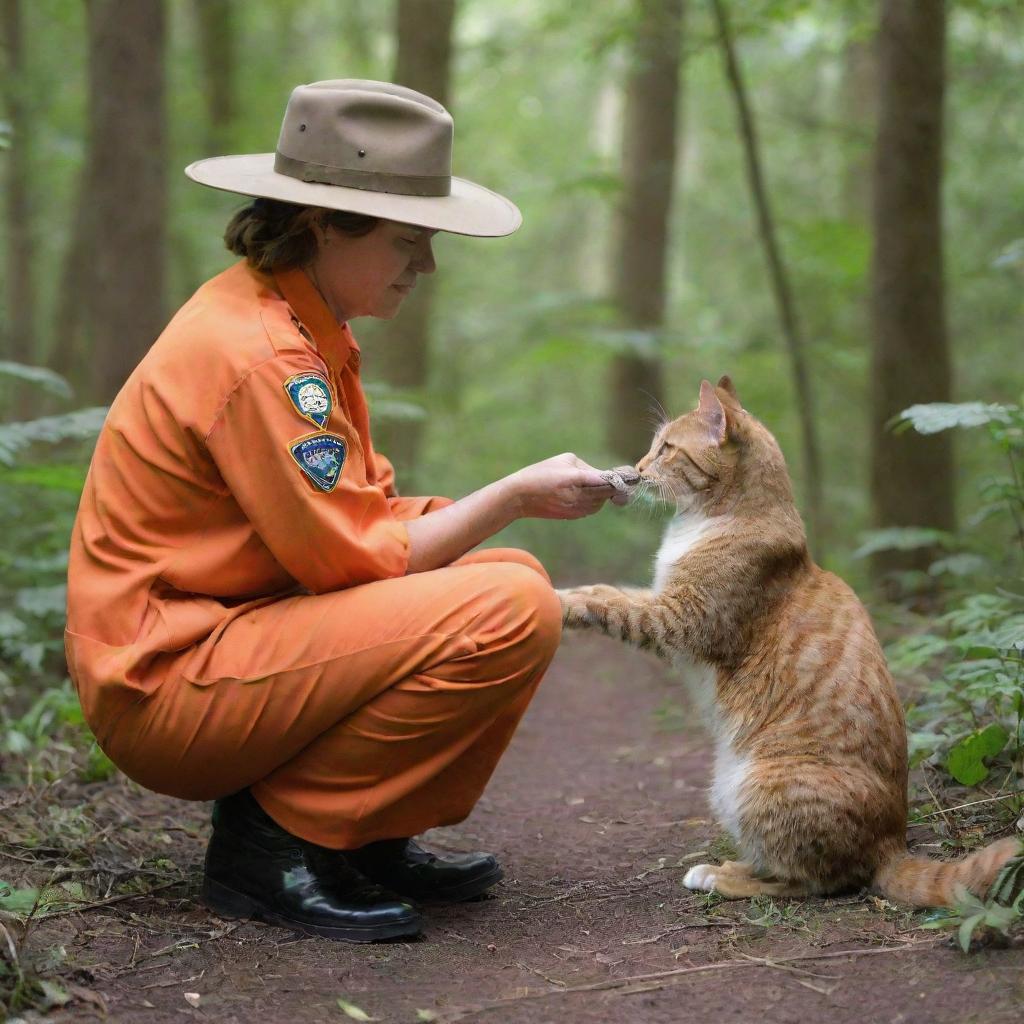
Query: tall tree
{"x": 423, "y": 62}
{"x": 649, "y": 146}
{"x": 19, "y": 331}
{"x": 215, "y": 20}
{"x": 911, "y": 476}
{"x": 127, "y": 166}
{"x": 783, "y": 292}
{"x": 858, "y": 101}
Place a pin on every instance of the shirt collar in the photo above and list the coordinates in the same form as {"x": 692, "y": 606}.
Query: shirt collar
{"x": 334, "y": 341}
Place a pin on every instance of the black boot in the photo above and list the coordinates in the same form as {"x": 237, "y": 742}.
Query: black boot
{"x": 404, "y": 866}
{"x": 254, "y": 868}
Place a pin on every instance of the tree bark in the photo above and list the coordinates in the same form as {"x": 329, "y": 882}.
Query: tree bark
{"x": 911, "y": 476}
{"x": 423, "y": 62}
{"x": 636, "y": 387}
{"x": 19, "y": 334}
{"x": 791, "y": 329}
{"x": 215, "y": 20}
{"x": 127, "y": 164}
{"x": 858, "y": 103}
{"x": 72, "y": 322}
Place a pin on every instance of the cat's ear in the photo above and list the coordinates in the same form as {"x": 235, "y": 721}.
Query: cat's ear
{"x": 726, "y": 384}
{"x": 711, "y": 413}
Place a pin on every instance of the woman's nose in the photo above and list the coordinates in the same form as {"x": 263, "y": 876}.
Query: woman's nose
{"x": 423, "y": 260}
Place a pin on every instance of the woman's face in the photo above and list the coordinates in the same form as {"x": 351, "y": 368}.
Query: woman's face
{"x": 372, "y": 274}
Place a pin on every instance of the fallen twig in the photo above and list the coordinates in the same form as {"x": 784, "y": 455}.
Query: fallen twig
{"x": 657, "y": 976}
{"x": 973, "y": 803}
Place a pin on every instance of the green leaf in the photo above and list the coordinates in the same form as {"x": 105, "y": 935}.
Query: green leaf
{"x": 79, "y": 425}
{"x": 426, "y": 1015}
{"x": 54, "y": 994}
{"x": 1009, "y": 882}
{"x": 965, "y": 762}
{"x": 43, "y": 601}
{"x": 353, "y": 1011}
{"x": 938, "y": 416}
{"x": 902, "y": 538}
{"x": 46, "y": 380}
{"x": 963, "y": 564}
{"x": 17, "y": 901}
{"x": 10, "y": 626}
{"x": 53, "y": 477}
{"x": 966, "y": 930}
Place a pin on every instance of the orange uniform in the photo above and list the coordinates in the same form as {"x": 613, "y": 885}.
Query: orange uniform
{"x": 238, "y": 609}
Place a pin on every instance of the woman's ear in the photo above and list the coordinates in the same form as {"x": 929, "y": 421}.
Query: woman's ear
{"x": 712, "y": 413}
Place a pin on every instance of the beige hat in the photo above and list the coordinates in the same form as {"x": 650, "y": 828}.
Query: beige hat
{"x": 367, "y": 147}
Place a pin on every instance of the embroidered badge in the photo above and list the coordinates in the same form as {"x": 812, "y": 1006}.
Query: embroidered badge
{"x": 311, "y": 395}
{"x": 320, "y": 457}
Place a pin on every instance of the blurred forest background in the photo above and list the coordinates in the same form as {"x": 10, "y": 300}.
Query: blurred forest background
{"x": 824, "y": 199}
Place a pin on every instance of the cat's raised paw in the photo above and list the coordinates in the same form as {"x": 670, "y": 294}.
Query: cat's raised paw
{"x": 574, "y": 607}
{"x": 702, "y": 877}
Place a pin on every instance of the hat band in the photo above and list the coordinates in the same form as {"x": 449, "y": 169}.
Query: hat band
{"x": 371, "y": 181}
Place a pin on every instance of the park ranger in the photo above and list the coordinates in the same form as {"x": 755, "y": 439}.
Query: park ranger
{"x": 255, "y": 616}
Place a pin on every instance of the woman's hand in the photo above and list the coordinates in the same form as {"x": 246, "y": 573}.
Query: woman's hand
{"x": 562, "y": 487}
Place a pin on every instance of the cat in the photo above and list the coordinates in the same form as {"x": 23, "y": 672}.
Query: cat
{"x": 810, "y": 773}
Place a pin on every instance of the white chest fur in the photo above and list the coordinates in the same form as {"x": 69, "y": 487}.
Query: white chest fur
{"x": 730, "y": 770}
{"x": 681, "y": 536}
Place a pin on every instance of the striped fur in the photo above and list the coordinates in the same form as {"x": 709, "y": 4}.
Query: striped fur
{"x": 810, "y": 743}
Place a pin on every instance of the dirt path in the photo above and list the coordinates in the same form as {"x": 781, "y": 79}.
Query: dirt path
{"x": 596, "y": 811}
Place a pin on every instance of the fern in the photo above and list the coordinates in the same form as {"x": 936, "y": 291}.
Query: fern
{"x": 50, "y": 382}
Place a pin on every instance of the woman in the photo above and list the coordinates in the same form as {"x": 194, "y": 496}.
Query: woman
{"x": 254, "y": 615}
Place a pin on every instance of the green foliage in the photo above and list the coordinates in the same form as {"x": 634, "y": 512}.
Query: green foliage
{"x": 903, "y": 538}
{"x": 972, "y": 709}
{"x": 80, "y": 425}
{"x": 44, "y": 456}
{"x": 1001, "y": 912}
{"x": 938, "y": 416}
{"x": 966, "y": 761}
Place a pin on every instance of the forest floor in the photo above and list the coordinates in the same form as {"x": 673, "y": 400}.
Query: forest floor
{"x": 596, "y": 812}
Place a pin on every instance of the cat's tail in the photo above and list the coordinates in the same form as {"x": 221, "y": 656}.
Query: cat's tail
{"x": 921, "y": 882}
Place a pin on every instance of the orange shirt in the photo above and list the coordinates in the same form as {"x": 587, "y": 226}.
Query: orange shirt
{"x": 235, "y": 466}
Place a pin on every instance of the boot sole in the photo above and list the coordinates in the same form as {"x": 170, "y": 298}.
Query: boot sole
{"x": 466, "y": 891}
{"x": 228, "y": 903}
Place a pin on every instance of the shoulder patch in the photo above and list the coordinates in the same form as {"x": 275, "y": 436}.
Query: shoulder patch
{"x": 310, "y": 393}
{"x": 321, "y": 457}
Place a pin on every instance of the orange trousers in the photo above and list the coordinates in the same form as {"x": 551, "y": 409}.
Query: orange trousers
{"x": 363, "y": 714}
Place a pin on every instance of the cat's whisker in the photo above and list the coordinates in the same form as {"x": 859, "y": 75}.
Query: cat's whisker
{"x": 657, "y": 412}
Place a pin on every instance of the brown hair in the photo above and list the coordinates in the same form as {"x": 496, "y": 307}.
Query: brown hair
{"x": 274, "y": 235}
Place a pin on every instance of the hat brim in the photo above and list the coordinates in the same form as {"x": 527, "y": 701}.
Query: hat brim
{"x": 470, "y": 209}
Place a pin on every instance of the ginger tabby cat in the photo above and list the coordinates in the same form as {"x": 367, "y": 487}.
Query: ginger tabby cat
{"x": 810, "y": 772}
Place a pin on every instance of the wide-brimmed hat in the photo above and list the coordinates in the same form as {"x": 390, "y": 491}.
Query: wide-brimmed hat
{"x": 368, "y": 147}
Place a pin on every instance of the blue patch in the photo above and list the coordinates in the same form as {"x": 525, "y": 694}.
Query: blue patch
{"x": 311, "y": 395}
{"x": 320, "y": 457}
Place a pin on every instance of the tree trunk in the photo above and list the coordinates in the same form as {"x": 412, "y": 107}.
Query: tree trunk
{"x": 911, "y": 476}
{"x": 791, "y": 329}
{"x": 19, "y": 336}
{"x": 128, "y": 163}
{"x": 423, "y": 62}
{"x": 215, "y": 20}
{"x": 636, "y": 389}
{"x": 72, "y": 322}
{"x": 858, "y": 101}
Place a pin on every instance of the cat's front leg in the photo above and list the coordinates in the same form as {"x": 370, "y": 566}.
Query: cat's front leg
{"x": 630, "y": 614}
{"x": 583, "y": 607}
